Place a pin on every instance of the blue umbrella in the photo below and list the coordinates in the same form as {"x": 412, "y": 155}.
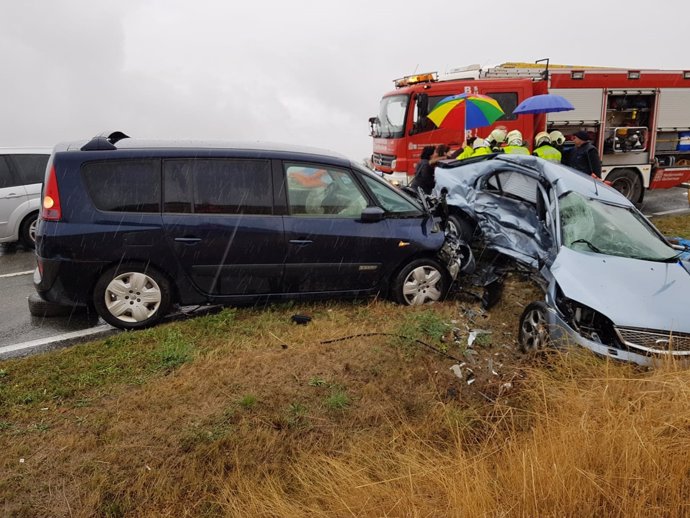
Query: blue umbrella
{"x": 545, "y": 103}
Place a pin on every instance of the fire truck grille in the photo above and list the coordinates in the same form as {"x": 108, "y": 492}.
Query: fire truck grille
{"x": 650, "y": 340}
{"x": 383, "y": 160}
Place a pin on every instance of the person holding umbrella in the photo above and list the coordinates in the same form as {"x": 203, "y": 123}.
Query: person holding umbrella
{"x": 544, "y": 149}
{"x": 585, "y": 156}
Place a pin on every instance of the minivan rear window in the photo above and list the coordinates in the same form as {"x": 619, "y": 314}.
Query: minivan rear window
{"x": 124, "y": 185}
{"x": 218, "y": 186}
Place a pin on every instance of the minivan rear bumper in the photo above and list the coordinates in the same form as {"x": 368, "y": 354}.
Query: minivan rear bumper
{"x": 66, "y": 282}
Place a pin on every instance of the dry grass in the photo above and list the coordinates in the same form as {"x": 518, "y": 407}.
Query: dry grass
{"x": 246, "y": 414}
{"x": 674, "y": 226}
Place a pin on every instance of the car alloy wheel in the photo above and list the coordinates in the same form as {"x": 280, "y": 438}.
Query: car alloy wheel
{"x": 534, "y": 329}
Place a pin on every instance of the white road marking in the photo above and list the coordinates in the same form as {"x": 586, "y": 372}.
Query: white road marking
{"x": 668, "y": 212}
{"x": 41, "y": 342}
{"x": 16, "y": 274}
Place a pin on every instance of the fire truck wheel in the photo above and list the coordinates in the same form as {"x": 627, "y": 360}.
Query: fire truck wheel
{"x": 627, "y": 182}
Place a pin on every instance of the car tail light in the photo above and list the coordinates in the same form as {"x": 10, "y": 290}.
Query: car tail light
{"x": 51, "y": 210}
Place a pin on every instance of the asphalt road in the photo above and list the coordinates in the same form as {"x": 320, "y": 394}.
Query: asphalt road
{"x": 19, "y": 331}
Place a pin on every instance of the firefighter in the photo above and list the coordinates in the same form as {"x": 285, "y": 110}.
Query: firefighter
{"x": 515, "y": 144}
{"x": 544, "y": 149}
{"x": 497, "y": 138}
{"x": 480, "y": 147}
{"x": 557, "y": 140}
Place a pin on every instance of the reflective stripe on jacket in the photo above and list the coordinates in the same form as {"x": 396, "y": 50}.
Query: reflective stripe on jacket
{"x": 516, "y": 150}
{"x": 549, "y": 153}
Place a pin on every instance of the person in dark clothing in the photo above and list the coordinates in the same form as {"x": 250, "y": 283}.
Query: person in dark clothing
{"x": 585, "y": 156}
{"x": 424, "y": 172}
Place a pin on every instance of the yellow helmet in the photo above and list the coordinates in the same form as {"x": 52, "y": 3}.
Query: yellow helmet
{"x": 541, "y": 138}
{"x": 557, "y": 137}
{"x": 514, "y": 138}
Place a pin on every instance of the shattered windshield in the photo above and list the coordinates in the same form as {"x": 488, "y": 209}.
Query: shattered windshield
{"x": 593, "y": 226}
{"x": 391, "y": 123}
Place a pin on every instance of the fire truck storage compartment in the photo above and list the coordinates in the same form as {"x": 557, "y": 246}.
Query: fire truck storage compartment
{"x": 628, "y": 114}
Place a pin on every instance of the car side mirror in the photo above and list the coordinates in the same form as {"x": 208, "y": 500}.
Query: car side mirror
{"x": 372, "y": 214}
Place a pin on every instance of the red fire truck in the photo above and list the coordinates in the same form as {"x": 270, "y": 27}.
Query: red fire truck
{"x": 639, "y": 120}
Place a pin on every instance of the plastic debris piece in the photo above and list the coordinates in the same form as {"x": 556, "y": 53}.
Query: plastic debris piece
{"x": 474, "y": 334}
{"x": 457, "y": 370}
{"x": 301, "y": 319}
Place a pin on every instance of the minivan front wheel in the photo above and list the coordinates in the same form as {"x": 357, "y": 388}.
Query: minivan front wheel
{"x": 132, "y": 296}
{"x": 420, "y": 282}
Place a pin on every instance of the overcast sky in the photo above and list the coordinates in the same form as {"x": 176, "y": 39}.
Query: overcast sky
{"x": 304, "y": 72}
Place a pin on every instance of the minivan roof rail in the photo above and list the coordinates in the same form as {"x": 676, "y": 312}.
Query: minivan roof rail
{"x": 104, "y": 141}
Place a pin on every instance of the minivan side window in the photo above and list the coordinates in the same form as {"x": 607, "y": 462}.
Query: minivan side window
{"x": 389, "y": 199}
{"x": 323, "y": 191}
{"x": 124, "y": 185}
{"x": 218, "y": 186}
{"x": 6, "y": 179}
{"x": 32, "y": 168}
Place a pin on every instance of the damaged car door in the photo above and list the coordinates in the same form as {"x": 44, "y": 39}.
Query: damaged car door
{"x": 515, "y": 215}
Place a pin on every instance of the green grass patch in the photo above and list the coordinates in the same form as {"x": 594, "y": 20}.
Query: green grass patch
{"x": 337, "y": 400}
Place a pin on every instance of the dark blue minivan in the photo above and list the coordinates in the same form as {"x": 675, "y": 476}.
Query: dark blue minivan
{"x": 133, "y": 227}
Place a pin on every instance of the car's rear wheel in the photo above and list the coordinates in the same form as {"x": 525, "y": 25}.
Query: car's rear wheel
{"x": 534, "y": 329}
{"x": 132, "y": 296}
{"x": 420, "y": 282}
{"x": 27, "y": 231}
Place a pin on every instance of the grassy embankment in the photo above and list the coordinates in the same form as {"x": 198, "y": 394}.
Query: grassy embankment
{"x": 245, "y": 414}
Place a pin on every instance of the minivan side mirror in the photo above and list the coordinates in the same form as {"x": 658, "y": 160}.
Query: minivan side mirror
{"x": 372, "y": 214}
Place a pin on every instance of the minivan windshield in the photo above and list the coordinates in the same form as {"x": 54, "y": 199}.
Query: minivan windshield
{"x": 391, "y": 120}
{"x": 591, "y": 225}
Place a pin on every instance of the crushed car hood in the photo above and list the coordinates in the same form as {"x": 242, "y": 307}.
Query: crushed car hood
{"x": 631, "y": 292}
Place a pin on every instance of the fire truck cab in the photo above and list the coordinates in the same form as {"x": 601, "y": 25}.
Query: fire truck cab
{"x": 639, "y": 120}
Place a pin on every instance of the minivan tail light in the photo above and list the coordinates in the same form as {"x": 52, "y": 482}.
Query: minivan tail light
{"x": 51, "y": 210}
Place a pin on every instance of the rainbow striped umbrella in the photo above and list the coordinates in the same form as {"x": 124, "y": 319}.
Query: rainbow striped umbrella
{"x": 480, "y": 110}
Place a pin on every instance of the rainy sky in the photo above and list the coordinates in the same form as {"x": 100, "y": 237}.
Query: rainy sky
{"x": 293, "y": 71}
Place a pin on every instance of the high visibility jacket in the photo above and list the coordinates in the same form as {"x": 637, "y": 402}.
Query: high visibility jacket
{"x": 482, "y": 151}
{"x": 466, "y": 153}
{"x": 516, "y": 150}
{"x": 549, "y": 153}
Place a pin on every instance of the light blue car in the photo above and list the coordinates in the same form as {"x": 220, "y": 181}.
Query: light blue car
{"x": 612, "y": 281}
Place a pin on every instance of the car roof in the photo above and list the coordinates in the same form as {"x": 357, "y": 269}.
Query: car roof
{"x": 25, "y": 150}
{"x": 266, "y": 148}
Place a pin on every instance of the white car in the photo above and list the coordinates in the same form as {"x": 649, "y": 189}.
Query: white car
{"x": 21, "y": 176}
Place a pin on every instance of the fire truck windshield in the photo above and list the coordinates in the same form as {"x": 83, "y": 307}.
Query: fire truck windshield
{"x": 391, "y": 123}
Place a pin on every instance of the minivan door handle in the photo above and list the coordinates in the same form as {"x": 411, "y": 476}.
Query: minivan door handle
{"x": 301, "y": 242}
{"x": 188, "y": 240}
{"x": 12, "y": 195}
